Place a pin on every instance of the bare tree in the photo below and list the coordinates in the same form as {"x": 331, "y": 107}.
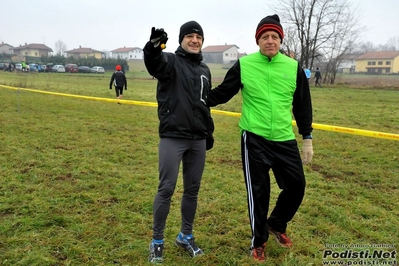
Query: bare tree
{"x": 60, "y": 47}
{"x": 393, "y": 43}
{"x": 366, "y": 47}
{"x": 325, "y": 29}
{"x": 386, "y": 47}
{"x": 290, "y": 45}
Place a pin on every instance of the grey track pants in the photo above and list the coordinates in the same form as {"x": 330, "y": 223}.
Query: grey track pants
{"x": 171, "y": 152}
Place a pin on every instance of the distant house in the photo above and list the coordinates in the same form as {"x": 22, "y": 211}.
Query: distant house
{"x": 33, "y": 49}
{"x": 220, "y": 54}
{"x": 378, "y": 62}
{"x": 128, "y": 53}
{"x": 82, "y": 52}
{"x": 5, "y": 48}
{"x": 241, "y": 55}
{"x": 347, "y": 63}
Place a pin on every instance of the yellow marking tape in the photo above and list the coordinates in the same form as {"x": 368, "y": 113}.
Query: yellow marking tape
{"x": 347, "y": 130}
{"x": 85, "y": 97}
{"x": 354, "y": 131}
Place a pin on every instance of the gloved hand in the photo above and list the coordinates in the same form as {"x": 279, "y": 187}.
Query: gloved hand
{"x": 158, "y": 37}
{"x": 125, "y": 88}
{"x": 307, "y": 151}
{"x": 110, "y": 87}
{"x": 209, "y": 138}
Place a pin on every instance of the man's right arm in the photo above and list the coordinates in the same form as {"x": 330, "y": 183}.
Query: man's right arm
{"x": 153, "y": 55}
{"x": 112, "y": 80}
{"x": 230, "y": 86}
{"x": 152, "y": 59}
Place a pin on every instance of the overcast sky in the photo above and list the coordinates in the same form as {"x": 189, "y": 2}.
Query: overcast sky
{"x": 107, "y": 25}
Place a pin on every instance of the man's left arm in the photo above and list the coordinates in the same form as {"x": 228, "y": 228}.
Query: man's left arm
{"x": 125, "y": 80}
{"x": 302, "y": 110}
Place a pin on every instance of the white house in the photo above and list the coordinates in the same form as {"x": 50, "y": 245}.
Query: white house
{"x": 347, "y": 63}
{"x": 221, "y": 54}
{"x": 127, "y": 53}
{"x": 5, "y": 48}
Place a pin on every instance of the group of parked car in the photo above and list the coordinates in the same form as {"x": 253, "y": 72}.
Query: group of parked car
{"x": 74, "y": 68}
{"x": 68, "y": 68}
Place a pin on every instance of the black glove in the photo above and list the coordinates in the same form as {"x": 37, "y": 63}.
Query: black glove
{"x": 158, "y": 37}
{"x": 110, "y": 87}
{"x": 209, "y": 141}
{"x": 125, "y": 88}
{"x": 209, "y": 138}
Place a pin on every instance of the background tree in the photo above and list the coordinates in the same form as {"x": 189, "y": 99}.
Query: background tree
{"x": 323, "y": 29}
{"x": 391, "y": 45}
{"x": 60, "y": 48}
{"x": 394, "y": 43}
{"x": 366, "y": 47}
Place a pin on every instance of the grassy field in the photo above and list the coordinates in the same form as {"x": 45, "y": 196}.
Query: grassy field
{"x": 78, "y": 177}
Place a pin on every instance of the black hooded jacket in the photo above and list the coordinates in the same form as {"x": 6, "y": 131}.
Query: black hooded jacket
{"x": 118, "y": 78}
{"x": 183, "y": 85}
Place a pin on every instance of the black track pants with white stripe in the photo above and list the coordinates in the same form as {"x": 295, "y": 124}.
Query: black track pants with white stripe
{"x": 258, "y": 157}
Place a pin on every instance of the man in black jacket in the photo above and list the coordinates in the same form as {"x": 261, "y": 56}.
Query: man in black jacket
{"x": 184, "y": 126}
{"x": 119, "y": 80}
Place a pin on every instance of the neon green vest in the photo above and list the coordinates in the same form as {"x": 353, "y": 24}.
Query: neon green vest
{"x": 267, "y": 95}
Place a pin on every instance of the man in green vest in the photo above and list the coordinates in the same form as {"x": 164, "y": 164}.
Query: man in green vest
{"x": 272, "y": 85}
{"x": 23, "y": 64}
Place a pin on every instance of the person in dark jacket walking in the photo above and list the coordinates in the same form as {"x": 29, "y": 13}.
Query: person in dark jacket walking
{"x": 183, "y": 83}
{"x": 119, "y": 80}
{"x": 271, "y": 85}
{"x": 317, "y": 76}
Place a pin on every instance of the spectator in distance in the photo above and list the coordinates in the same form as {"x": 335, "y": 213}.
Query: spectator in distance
{"x": 308, "y": 74}
{"x": 317, "y": 77}
{"x": 118, "y": 78}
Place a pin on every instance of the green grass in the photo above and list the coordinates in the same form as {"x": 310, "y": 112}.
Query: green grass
{"x": 78, "y": 177}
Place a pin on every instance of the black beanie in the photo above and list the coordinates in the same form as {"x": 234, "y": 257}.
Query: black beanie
{"x": 269, "y": 23}
{"x": 190, "y": 27}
